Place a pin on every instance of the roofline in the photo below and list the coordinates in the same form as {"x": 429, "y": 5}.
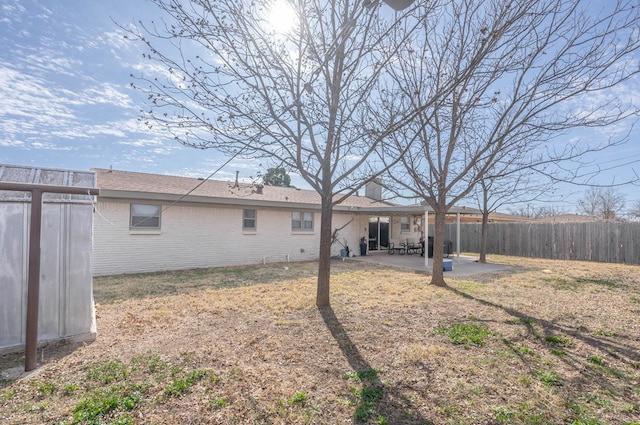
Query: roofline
{"x": 150, "y": 196}
{"x": 418, "y": 209}
{"x": 166, "y": 197}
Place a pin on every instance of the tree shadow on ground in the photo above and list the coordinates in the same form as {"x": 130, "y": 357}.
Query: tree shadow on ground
{"x": 376, "y": 400}
{"x": 116, "y": 288}
{"x": 622, "y": 350}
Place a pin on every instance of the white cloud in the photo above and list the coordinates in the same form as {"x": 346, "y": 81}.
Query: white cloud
{"x": 116, "y": 40}
{"x": 52, "y": 146}
{"x": 142, "y": 143}
{"x": 104, "y": 93}
{"x": 34, "y": 106}
{"x": 30, "y": 97}
{"x": 11, "y": 143}
{"x": 12, "y": 11}
{"x": 44, "y": 60}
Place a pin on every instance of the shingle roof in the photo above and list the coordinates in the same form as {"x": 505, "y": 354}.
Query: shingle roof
{"x": 128, "y": 181}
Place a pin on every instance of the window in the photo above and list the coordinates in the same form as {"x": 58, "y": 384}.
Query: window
{"x": 404, "y": 224}
{"x": 249, "y": 218}
{"x": 302, "y": 221}
{"x": 145, "y": 216}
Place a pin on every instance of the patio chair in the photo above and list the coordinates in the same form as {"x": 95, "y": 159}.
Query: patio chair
{"x": 395, "y": 246}
{"x": 413, "y": 247}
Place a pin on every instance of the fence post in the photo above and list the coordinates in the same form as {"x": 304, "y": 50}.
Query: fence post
{"x": 33, "y": 291}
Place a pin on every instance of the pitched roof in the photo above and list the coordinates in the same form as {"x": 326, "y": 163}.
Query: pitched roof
{"x": 114, "y": 183}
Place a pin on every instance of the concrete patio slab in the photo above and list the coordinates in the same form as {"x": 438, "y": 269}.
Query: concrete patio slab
{"x": 462, "y": 266}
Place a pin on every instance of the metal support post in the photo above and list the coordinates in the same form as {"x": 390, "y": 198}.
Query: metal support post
{"x": 33, "y": 291}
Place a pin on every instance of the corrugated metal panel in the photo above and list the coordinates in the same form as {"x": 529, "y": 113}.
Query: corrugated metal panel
{"x": 42, "y": 176}
{"x": 66, "y": 299}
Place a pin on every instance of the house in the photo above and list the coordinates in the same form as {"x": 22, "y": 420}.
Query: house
{"x": 150, "y": 222}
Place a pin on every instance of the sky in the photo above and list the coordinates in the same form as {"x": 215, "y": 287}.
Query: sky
{"x": 66, "y": 101}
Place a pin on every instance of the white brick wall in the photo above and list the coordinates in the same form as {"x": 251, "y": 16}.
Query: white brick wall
{"x": 194, "y": 236}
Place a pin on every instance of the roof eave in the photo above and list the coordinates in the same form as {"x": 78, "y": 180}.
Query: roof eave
{"x": 416, "y": 209}
{"x": 214, "y": 200}
{"x": 167, "y": 197}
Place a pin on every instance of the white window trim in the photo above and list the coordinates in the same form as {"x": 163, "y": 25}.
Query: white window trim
{"x": 250, "y": 230}
{"x": 302, "y": 229}
{"x": 145, "y": 229}
{"x": 408, "y": 229}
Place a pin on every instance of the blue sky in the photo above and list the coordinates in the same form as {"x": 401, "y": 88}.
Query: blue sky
{"x": 65, "y": 100}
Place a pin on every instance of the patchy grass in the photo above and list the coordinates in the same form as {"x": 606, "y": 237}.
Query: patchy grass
{"x": 547, "y": 342}
{"x": 113, "y": 289}
{"x": 465, "y": 333}
{"x": 367, "y": 395}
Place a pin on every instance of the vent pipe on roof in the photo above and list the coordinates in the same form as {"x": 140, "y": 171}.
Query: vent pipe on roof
{"x": 237, "y": 185}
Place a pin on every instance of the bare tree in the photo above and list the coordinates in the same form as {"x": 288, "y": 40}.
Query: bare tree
{"x": 612, "y": 203}
{"x": 603, "y": 202}
{"x": 527, "y": 72}
{"x": 634, "y": 212}
{"x": 222, "y": 77}
{"x": 530, "y": 211}
{"x": 590, "y": 203}
{"x": 520, "y": 186}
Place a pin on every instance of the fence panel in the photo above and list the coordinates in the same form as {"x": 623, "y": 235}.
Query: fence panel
{"x": 607, "y": 241}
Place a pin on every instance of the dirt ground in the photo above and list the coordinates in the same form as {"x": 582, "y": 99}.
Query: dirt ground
{"x": 248, "y": 346}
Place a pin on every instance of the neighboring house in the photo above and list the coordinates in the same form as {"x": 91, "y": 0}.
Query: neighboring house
{"x": 569, "y": 218}
{"x": 496, "y": 217}
{"x": 148, "y": 222}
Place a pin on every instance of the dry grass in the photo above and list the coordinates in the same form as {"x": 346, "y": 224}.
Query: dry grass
{"x": 248, "y": 346}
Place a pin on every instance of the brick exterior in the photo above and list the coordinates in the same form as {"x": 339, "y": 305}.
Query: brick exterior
{"x": 205, "y": 230}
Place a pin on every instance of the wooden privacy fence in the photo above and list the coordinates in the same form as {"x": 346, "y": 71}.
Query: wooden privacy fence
{"x": 608, "y": 242}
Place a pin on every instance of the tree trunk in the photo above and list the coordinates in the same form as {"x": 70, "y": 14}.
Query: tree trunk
{"x": 485, "y": 220}
{"x": 324, "y": 264}
{"x": 483, "y": 236}
{"x": 437, "y": 274}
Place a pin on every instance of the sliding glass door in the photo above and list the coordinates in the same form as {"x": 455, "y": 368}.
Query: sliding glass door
{"x": 379, "y": 228}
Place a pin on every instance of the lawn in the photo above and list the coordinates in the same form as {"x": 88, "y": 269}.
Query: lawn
{"x": 546, "y": 342}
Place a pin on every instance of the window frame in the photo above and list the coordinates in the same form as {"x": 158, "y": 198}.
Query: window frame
{"x": 245, "y": 218}
{"x": 302, "y": 220}
{"x": 402, "y": 224}
{"x": 137, "y": 226}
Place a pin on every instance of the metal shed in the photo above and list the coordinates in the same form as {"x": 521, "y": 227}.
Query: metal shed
{"x": 64, "y": 297}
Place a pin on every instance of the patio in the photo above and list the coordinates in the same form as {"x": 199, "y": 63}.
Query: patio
{"x": 462, "y": 265}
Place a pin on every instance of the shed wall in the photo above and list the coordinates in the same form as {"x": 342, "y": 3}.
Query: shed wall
{"x": 65, "y": 302}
